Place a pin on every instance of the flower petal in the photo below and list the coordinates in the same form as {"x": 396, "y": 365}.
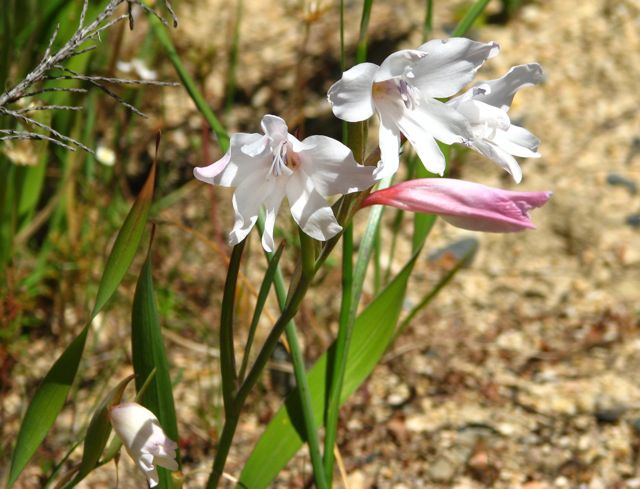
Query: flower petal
{"x": 272, "y": 206}
{"x": 235, "y": 165}
{"x": 478, "y": 112}
{"x": 350, "y": 97}
{"x": 145, "y": 441}
{"x": 501, "y": 91}
{"x": 309, "y": 209}
{"x": 389, "y": 142}
{"x": 450, "y": 64}
{"x": 464, "y": 204}
{"x": 498, "y": 154}
{"x": 275, "y": 127}
{"x": 518, "y": 141}
{"x": 247, "y": 200}
{"x": 398, "y": 64}
{"x": 332, "y": 167}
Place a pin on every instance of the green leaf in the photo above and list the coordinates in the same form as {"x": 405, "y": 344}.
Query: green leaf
{"x": 98, "y": 431}
{"x": 126, "y": 244}
{"x": 52, "y": 392}
{"x": 469, "y": 18}
{"x": 372, "y": 333}
{"x": 148, "y": 352}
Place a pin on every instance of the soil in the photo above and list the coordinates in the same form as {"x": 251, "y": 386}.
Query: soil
{"x": 523, "y": 373}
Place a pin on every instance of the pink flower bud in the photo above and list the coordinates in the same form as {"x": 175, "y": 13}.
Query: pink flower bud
{"x": 464, "y": 204}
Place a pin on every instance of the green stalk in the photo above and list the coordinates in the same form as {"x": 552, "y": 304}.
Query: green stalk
{"x": 293, "y": 303}
{"x": 469, "y": 18}
{"x": 361, "y": 52}
{"x": 302, "y": 382}
{"x": 265, "y": 287}
{"x": 354, "y": 280}
{"x": 227, "y": 354}
{"x": 428, "y": 21}
{"x": 307, "y": 245}
{"x": 342, "y": 347}
{"x": 165, "y": 41}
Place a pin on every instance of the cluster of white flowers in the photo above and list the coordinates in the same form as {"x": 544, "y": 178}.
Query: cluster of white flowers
{"x": 404, "y": 91}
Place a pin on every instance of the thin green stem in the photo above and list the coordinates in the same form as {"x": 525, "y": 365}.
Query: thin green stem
{"x": 469, "y": 18}
{"x": 265, "y": 287}
{"x": 361, "y": 52}
{"x": 307, "y": 253}
{"x": 227, "y": 354}
{"x": 224, "y": 445}
{"x": 342, "y": 347}
{"x": 428, "y": 21}
{"x": 304, "y": 392}
{"x": 297, "y": 358}
{"x": 352, "y": 285}
{"x": 165, "y": 41}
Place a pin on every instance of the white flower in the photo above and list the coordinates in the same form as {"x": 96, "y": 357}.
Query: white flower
{"x": 404, "y": 90}
{"x": 265, "y": 168}
{"x": 142, "y": 436}
{"x": 486, "y": 105}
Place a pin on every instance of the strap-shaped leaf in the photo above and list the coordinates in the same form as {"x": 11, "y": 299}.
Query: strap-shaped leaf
{"x": 52, "y": 392}
{"x": 148, "y": 352}
{"x": 371, "y": 335}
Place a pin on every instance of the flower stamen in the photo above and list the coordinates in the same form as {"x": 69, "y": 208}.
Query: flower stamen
{"x": 279, "y": 162}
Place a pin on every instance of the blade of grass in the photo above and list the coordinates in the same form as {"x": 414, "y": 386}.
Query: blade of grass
{"x": 469, "y": 18}
{"x": 427, "y": 27}
{"x": 160, "y": 33}
{"x": 361, "y": 51}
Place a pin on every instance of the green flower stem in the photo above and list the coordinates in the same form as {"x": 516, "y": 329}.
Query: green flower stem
{"x": 299, "y": 289}
{"x": 265, "y": 288}
{"x": 338, "y": 363}
{"x": 160, "y": 33}
{"x": 297, "y": 358}
{"x": 227, "y": 354}
{"x": 352, "y": 285}
{"x": 361, "y": 52}
{"x": 302, "y": 382}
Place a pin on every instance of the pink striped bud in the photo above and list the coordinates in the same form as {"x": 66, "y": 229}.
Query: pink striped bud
{"x": 464, "y": 204}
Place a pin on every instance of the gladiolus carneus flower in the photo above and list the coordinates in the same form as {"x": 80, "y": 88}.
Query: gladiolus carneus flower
{"x": 144, "y": 439}
{"x": 464, "y": 204}
{"x": 404, "y": 91}
{"x": 264, "y": 168}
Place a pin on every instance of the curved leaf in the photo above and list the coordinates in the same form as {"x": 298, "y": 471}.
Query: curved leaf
{"x": 148, "y": 353}
{"x": 52, "y": 392}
